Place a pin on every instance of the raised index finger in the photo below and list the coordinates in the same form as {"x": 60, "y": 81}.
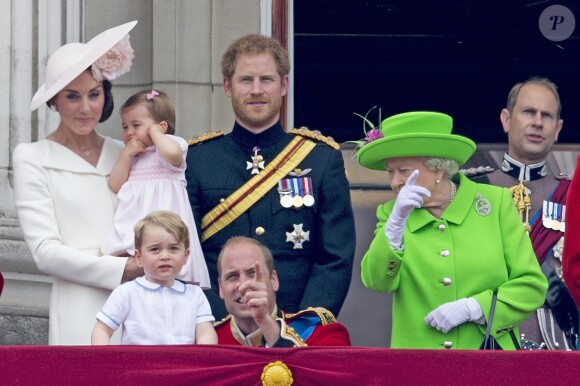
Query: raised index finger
{"x": 258, "y": 271}
{"x": 412, "y": 178}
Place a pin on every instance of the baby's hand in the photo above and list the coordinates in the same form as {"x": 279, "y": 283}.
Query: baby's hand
{"x": 157, "y": 128}
{"x": 134, "y": 147}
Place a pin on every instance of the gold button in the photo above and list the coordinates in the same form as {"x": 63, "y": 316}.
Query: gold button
{"x": 260, "y": 231}
{"x": 222, "y": 199}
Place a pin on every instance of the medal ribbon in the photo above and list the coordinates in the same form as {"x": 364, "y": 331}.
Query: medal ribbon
{"x": 307, "y": 183}
{"x": 543, "y": 239}
{"x": 253, "y": 190}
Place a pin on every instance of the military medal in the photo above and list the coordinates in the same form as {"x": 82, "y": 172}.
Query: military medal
{"x": 297, "y": 201}
{"x": 482, "y": 205}
{"x": 285, "y": 192}
{"x": 298, "y": 236}
{"x": 563, "y": 219}
{"x": 547, "y": 220}
{"x": 308, "y": 197}
{"x": 297, "y": 192}
{"x": 556, "y": 223}
{"x": 257, "y": 161}
{"x": 286, "y": 200}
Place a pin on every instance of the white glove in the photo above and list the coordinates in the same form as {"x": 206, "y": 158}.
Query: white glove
{"x": 452, "y": 314}
{"x": 410, "y": 197}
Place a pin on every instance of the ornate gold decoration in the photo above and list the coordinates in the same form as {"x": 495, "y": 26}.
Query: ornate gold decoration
{"x": 325, "y": 316}
{"x": 205, "y": 137}
{"x": 315, "y": 134}
{"x": 225, "y": 320}
{"x": 523, "y": 202}
{"x": 276, "y": 374}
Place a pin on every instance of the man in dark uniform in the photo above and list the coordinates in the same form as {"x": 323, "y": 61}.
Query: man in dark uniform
{"x": 288, "y": 190}
{"x": 532, "y": 122}
{"x": 248, "y": 283}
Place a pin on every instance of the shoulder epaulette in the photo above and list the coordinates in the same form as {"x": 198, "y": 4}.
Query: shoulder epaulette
{"x": 205, "y": 137}
{"x": 315, "y": 134}
{"x": 223, "y": 321}
{"x": 474, "y": 172}
{"x": 563, "y": 176}
{"x": 326, "y": 317}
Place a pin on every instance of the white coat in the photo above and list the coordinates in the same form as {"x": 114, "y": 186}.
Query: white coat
{"x": 65, "y": 209}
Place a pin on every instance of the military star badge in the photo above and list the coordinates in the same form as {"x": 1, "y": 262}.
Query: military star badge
{"x": 298, "y": 236}
{"x": 257, "y": 162}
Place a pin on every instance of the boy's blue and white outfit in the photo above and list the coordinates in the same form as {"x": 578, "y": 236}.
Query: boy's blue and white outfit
{"x": 152, "y": 314}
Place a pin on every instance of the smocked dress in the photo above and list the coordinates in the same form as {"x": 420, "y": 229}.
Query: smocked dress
{"x": 155, "y": 184}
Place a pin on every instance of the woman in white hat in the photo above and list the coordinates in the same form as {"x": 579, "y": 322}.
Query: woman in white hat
{"x": 445, "y": 243}
{"x": 64, "y": 204}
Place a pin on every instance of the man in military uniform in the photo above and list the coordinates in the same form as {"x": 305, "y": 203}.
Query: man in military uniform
{"x": 532, "y": 122}
{"x": 286, "y": 189}
{"x": 248, "y": 283}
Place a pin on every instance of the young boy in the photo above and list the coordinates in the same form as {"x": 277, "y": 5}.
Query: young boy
{"x": 156, "y": 309}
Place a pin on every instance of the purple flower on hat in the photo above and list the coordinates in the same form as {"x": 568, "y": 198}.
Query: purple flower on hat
{"x": 115, "y": 62}
{"x": 373, "y": 135}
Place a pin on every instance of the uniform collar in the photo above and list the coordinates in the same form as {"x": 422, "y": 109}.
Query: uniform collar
{"x": 177, "y": 286}
{"x": 268, "y": 137}
{"x": 523, "y": 172}
{"x": 253, "y": 339}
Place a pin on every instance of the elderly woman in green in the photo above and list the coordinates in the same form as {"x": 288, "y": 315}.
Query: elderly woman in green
{"x": 445, "y": 243}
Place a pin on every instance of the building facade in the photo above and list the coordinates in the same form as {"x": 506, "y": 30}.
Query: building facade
{"x": 178, "y": 46}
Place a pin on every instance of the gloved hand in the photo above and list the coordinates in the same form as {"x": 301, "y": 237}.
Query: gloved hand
{"x": 410, "y": 197}
{"x": 452, "y": 314}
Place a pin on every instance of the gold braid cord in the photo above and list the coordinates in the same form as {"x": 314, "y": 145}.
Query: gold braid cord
{"x": 315, "y": 134}
{"x": 225, "y": 320}
{"x": 205, "y": 137}
{"x": 523, "y": 202}
{"x": 326, "y": 317}
{"x": 290, "y": 334}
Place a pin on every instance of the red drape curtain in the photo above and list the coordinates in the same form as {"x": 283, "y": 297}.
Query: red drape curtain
{"x": 233, "y": 365}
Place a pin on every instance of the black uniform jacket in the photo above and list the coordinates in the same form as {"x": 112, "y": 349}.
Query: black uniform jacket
{"x": 312, "y": 273}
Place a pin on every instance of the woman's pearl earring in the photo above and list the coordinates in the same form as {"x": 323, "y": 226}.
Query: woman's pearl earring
{"x": 437, "y": 181}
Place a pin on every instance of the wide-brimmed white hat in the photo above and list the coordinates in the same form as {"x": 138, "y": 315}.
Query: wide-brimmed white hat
{"x": 70, "y": 60}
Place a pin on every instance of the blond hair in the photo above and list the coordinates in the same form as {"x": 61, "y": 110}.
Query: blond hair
{"x": 165, "y": 219}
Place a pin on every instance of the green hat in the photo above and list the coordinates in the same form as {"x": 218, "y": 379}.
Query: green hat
{"x": 416, "y": 134}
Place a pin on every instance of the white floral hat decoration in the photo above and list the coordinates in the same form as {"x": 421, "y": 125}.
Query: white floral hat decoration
{"x": 108, "y": 54}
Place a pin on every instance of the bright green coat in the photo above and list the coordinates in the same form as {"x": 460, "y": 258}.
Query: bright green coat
{"x": 477, "y": 252}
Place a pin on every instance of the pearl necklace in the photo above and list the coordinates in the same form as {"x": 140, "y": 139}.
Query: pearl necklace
{"x": 453, "y": 190}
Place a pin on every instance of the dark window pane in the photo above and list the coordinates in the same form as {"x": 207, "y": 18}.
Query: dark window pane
{"x": 460, "y": 58}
